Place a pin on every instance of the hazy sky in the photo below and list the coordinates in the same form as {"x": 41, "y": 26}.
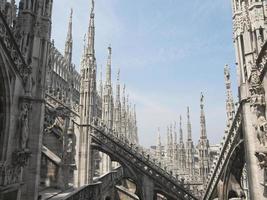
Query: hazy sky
{"x": 168, "y": 52}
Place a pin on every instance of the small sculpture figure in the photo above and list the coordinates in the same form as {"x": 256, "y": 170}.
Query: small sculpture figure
{"x": 24, "y": 123}
{"x": 262, "y": 158}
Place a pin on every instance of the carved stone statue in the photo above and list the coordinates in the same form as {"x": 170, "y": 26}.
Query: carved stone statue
{"x": 24, "y": 125}
{"x": 262, "y": 158}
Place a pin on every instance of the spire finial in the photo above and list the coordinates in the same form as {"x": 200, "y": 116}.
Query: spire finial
{"x": 71, "y": 12}
{"x": 101, "y": 72}
{"x": 68, "y": 43}
{"x": 189, "y": 131}
{"x": 92, "y": 8}
{"x": 124, "y": 88}
{"x": 159, "y": 139}
{"x": 230, "y": 107}
{"x": 168, "y": 136}
{"x": 118, "y": 75}
{"x": 202, "y": 117}
{"x": 108, "y": 70}
{"x": 91, "y": 33}
{"x": 118, "y": 88}
{"x": 188, "y": 113}
{"x": 181, "y": 130}
{"x": 201, "y": 100}
{"x": 175, "y": 132}
{"x": 84, "y": 41}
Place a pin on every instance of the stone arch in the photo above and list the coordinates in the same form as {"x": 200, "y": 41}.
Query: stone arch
{"x": 130, "y": 184}
{"x": 231, "y": 187}
{"x": 4, "y": 107}
{"x": 128, "y": 171}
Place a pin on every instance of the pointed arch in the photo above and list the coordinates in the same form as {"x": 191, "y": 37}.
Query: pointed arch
{"x": 4, "y": 107}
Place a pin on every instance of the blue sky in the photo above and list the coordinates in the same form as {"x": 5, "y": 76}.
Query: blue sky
{"x": 168, "y": 52}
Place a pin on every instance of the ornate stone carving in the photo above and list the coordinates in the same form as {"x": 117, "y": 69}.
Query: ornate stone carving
{"x": 24, "y": 123}
{"x": 54, "y": 117}
{"x": 262, "y": 158}
{"x": 11, "y": 46}
{"x": 245, "y": 17}
{"x": 261, "y": 129}
{"x": 257, "y": 102}
{"x": 20, "y": 158}
{"x": 9, "y": 174}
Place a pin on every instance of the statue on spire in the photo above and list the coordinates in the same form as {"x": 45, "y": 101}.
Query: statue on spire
{"x": 201, "y": 99}
{"x": 118, "y": 75}
{"x": 93, "y": 7}
{"x": 230, "y": 107}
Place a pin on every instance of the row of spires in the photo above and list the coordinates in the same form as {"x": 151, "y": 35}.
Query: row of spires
{"x": 117, "y": 115}
{"x": 172, "y": 127}
{"x": 89, "y": 50}
{"x": 180, "y": 156}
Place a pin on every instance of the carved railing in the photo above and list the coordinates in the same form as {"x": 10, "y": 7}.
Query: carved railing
{"x": 110, "y": 179}
{"x": 9, "y": 44}
{"x": 86, "y": 192}
{"x": 228, "y": 145}
{"x": 53, "y": 101}
{"x": 94, "y": 191}
{"x": 131, "y": 153}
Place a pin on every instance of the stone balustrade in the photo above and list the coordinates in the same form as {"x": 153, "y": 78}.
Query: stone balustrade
{"x": 136, "y": 155}
{"x": 95, "y": 191}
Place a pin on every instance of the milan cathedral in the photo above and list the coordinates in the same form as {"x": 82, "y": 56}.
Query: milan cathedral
{"x": 73, "y": 135}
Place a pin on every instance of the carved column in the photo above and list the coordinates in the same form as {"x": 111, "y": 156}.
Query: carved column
{"x": 254, "y": 130}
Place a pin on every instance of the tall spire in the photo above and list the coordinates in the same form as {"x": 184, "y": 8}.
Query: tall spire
{"x": 101, "y": 83}
{"x": 69, "y": 42}
{"x": 88, "y": 101}
{"x": 118, "y": 87}
{"x": 108, "y": 69}
{"x": 230, "y": 107}
{"x": 123, "y": 97}
{"x": 175, "y": 133}
{"x": 171, "y": 136}
{"x": 202, "y": 118}
{"x": 189, "y": 129}
{"x": 135, "y": 126}
{"x": 190, "y": 164}
{"x": 203, "y": 145}
{"x": 168, "y": 137}
{"x": 91, "y": 32}
{"x": 159, "y": 139}
{"x": 181, "y": 140}
{"x": 158, "y": 148}
{"x": 127, "y": 104}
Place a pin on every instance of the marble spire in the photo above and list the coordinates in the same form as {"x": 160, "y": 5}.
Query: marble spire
{"x": 69, "y": 41}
